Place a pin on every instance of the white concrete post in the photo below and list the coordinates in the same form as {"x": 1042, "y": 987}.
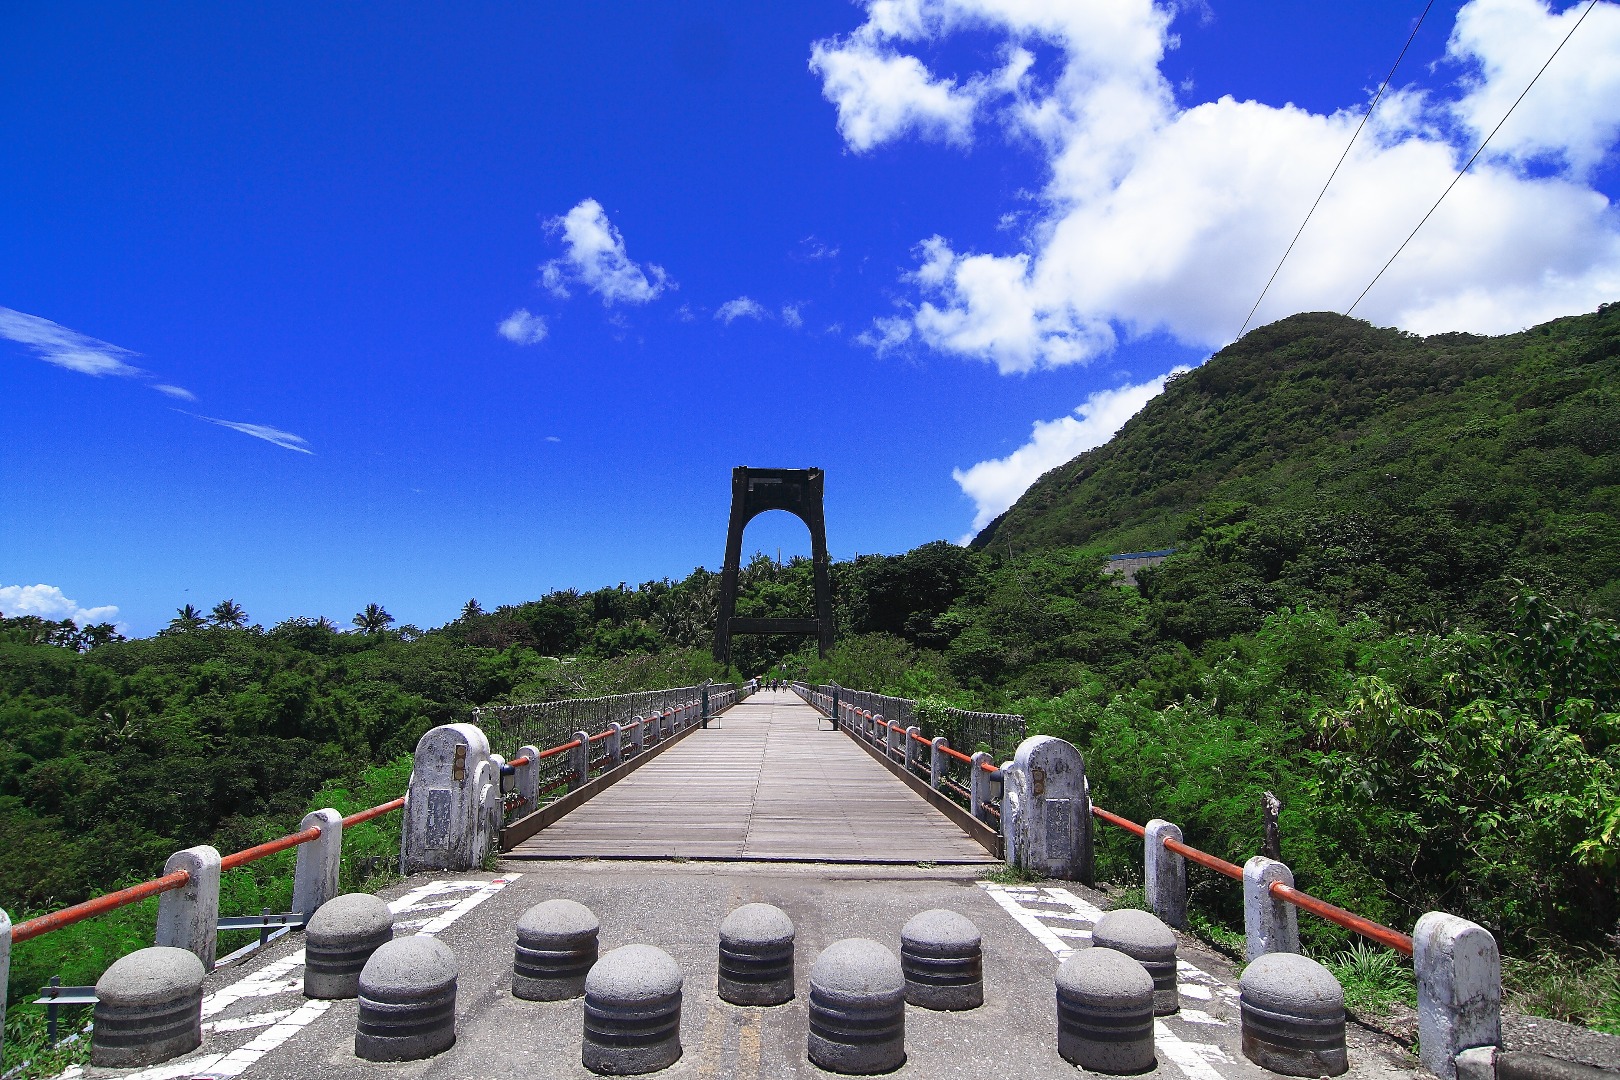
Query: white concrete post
{"x": 579, "y": 759}
{"x": 1046, "y": 810}
{"x": 446, "y": 823}
{"x": 315, "y": 876}
{"x": 188, "y": 917}
{"x": 912, "y": 733}
{"x": 1459, "y": 983}
{"x": 5, "y": 973}
{"x": 1269, "y": 925}
{"x": 615, "y": 743}
{"x": 887, "y": 727}
{"x": 666, "y": 724}
{"x": 978, "y": 784}
{"x": 936, "y": 761}
{"x": 639, "y": 727}
{"x": 528, "y": 780}
{"x": 1165, "y": 874}
{"x": 491, "y": 803}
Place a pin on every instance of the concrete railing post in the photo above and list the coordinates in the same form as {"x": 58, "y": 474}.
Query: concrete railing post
{"x": 1459, "y": 985}
{"x": 1164, "y": 874}
{"x": 5, "y": 974}
{"x": 887, "y": 727}
{"x": 979, "y": 784}
{"x": 488, "y": 781}
{"x": 615, "y": 743}
{"x": 936, "y": 761}
{"x": 315, "y": 876}
{"x": 912, "y": 734}
{"x": 528, "y": 780}
{"x": 834, "y": 712}
{"x": 446, "y": 825}
{"x": 579, "y": 760}
{"x": 1046, "y": 810}
{"x": 1270, "y": 925}
{"x": 188, "y": 918}
{"x": 638, "y": 738}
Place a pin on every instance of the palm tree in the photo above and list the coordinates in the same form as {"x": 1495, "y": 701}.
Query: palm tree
{"x": 230, "y": 615}
{"x": 373, "y": 619}
{"x": 471, "y": 609}
{"x": 187, "y": 618}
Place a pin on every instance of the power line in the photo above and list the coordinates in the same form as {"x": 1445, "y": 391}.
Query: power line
{"x": 1335, "y": 172}
{"x": 1471, "y": 160}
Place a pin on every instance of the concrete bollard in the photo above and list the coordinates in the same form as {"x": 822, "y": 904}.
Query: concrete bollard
{"x": 912, "y": 734}
{"x": 1459, "y": 983}
{"x": 339, "y": 939}
{"x": 756, "y": 956}
{"x": 1105, "y": 1012}
{"x": 1292, "y": 1011}
{"x": 188, "y": 918}
{"x": 446, "y": 825}
{"x": 632, "y": 1012}
{"x": 315, "y": 875}
{"x": 1149, "y": 942}
{"x": 1165, "y": 874}
{"x": 148, "y": 1008}
{"x": 1046, "y": 810}
{"x": 407, "y": 1001}
{"x": 857, "y": 1009}
{"x": 936, "y": 761}
{"x": 579, "y": 760}
{"x": 1270, "y": 925}
{"x": 528, "y": 780}
{"x": 943, "y": 961}
{"x": 556, "y": 946}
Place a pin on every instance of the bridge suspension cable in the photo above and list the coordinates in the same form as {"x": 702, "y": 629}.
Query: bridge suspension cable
{"x": 1354, "y": 135}
{"x": 1469, "y": 164}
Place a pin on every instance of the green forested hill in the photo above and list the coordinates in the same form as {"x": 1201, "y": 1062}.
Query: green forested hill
{"x": 1396, "y": 472}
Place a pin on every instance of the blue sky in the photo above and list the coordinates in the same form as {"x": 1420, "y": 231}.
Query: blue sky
{"x": 313, "y": 308}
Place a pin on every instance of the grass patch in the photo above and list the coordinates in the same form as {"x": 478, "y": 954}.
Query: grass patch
{"x": 28, "y": 1053}
{"x": 1133, "y": 896}
{"x": 1221, "y": 937}
{"x": 1375, "y": 979}
{"x": 1578, "y": 988}
{"x": 1008, "y": 874}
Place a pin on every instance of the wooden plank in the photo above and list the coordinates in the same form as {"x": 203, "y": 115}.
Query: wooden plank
{"x": 771, "y": 782}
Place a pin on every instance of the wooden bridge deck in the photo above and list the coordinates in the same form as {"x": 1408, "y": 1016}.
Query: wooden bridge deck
{"x": 773, "y": 782}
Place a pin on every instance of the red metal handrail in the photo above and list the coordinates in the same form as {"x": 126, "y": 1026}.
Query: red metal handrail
{"x": 599, "y": 736}
{"x": 44, "y": 924}
{"x": 1378, "y": 932}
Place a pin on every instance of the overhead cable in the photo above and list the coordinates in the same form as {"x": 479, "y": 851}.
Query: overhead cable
{"x": 1354, "y": 135}
{"x": 1471, "y": 160}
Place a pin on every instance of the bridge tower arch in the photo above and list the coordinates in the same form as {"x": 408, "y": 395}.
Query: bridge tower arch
{"x": 754, "y": 491}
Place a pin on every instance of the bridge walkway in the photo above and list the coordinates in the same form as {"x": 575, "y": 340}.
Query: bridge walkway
{"x": 772, "y": 782}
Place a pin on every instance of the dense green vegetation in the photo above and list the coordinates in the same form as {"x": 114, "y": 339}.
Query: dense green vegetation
{"x": 1392, "y": 603}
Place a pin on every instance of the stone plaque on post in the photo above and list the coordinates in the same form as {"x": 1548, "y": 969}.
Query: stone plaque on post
{"x": 1046, "y": 810}
{"x": 446, "y": 820}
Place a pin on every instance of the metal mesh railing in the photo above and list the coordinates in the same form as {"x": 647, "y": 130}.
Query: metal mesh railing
{"x": 963, "y": 767}
{"x": 551, "y": 723}
{"x": 997, "y": 734}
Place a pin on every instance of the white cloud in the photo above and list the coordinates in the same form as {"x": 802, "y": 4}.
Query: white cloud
{"x": 523, "y": 327}
{"x": 1573, "y": 114}
{"x": 881, "y": 94}
{"x": 284, "y": 439}
{"x": 595, "y": 257}
{"x": 66, "y": 348}
{"x": 553, "y": 438}
{"x": 179, "y": 393}
{"x": 47, "y": 602}
{"x": 1159, "y": 218}
{"x": 791, "y": 316}
{"x": 740, "y": 308}
{"x": 996, "y": 484}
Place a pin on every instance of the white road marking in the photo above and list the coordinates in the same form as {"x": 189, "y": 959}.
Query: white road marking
{"x": 1193, "y": 990}
{"x": 1065, "y": 896}
{"x": 488, "y": 890}
{"x": 1027, "y": 920}
{"x": 1186, "y": 1056}
{"x": 1196, "y": 1016}
{"x": 247, "y": 1023}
